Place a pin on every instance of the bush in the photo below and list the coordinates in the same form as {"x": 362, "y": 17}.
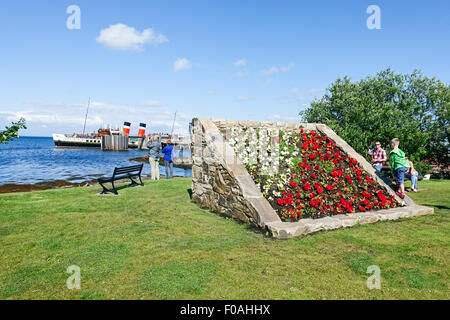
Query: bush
{"x": 411, "y": 107}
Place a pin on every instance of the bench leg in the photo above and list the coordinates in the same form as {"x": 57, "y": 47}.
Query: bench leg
{"x": 142, "y": 184}
{"x": 114, "y": 188}
{"x": 105, "y": 190}
{"x": 133, "y": 182}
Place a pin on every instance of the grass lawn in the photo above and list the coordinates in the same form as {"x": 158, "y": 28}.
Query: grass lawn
{"x": 152, "y": 243}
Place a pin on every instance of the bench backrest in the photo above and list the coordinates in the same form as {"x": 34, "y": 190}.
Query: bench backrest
{"x": 129, "y": 169}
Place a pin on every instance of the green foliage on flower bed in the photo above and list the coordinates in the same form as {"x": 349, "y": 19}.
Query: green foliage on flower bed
{"x": 310, "y": 176}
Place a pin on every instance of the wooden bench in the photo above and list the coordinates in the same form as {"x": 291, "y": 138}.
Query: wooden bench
{"x": 129, "y": 172}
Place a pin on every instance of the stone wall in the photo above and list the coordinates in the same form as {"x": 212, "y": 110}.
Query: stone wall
{"x": 221, "y": 183}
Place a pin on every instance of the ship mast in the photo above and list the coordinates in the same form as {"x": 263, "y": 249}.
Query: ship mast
{"x": 85, "y": 118}
{"x": 173, "y": 124}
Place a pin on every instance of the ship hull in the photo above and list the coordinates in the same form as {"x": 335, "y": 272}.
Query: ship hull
{"x": 61, "y": 144}
{"x": 63, "y": 141}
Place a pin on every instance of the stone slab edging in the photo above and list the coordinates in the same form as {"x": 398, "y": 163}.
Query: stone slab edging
{"x": 266, "y": 217}
{"x": 285, "y": 230}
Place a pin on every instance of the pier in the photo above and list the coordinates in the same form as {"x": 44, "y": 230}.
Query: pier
{"x": 114, "y": 143}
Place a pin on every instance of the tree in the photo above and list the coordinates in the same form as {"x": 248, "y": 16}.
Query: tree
{"x": 411, "y": 107}
{"x": 13, "y": 131}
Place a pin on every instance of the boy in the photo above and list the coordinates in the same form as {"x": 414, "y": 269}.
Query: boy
{"x": 399, "y": 166}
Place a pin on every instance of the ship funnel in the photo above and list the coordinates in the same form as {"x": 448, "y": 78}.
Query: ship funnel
{"x": 126, "y": 128}
{"x": 141, "y": 132}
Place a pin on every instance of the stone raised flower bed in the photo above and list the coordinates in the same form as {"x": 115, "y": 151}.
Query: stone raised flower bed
{"x": 288, "y": 178}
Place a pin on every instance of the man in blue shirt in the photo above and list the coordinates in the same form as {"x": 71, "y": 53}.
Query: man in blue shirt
{"x": 168, "y": 162}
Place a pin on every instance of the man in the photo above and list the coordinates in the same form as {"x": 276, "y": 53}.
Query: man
{"x": 168, "y": 161}
{"x": 154, "y": 150}
{"x": 379, "y": 156}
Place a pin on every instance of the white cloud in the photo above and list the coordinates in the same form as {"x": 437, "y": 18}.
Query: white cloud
{"x": 52, "y": 118}
{"x": 48, "y": 118}
{"x": 288, "y": 67}
{"x": 312, "y": 91}
{"x": 241, "y": 74}
{"x": 277, "y": 117}
{"x": 296, "y": 96}
{"x": 122, "y": 37}
{"x": 275, "y": 69}
{"x": 270, "y": 71}
{"x": 181, "y": 64}
{"x": 240, "y": 63}
{"x": 151, "y": 103}
{"x": 243, "y": 98}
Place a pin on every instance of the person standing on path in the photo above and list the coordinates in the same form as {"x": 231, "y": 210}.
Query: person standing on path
{"x": 168, "y": 159}
{"x": 379, "y": 156}
{"x": 154, "y": 150}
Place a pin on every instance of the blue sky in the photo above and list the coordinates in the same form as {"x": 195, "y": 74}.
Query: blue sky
{"x": 262, "y": 60}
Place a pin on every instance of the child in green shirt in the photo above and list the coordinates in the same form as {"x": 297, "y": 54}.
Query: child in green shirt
{"x": 399, "y": 165}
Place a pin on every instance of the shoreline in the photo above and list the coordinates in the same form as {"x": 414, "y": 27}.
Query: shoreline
{"x": 58, "y": 184}
{"x": 180, "y": 163}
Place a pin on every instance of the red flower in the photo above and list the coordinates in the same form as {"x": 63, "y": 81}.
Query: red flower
{"x": 361, "y": 208}
{"x": 293, "y": 184}
{"x": 366, "y": 195}
{"x": 312, "y": 156}
{"x": 307, "y": 187}
{"x": 280, "y": 201}
{"x": 381, "y": 196}
{"x": 349, "y": 179}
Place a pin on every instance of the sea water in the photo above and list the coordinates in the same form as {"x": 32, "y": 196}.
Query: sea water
{"x": 30, "y": 160}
